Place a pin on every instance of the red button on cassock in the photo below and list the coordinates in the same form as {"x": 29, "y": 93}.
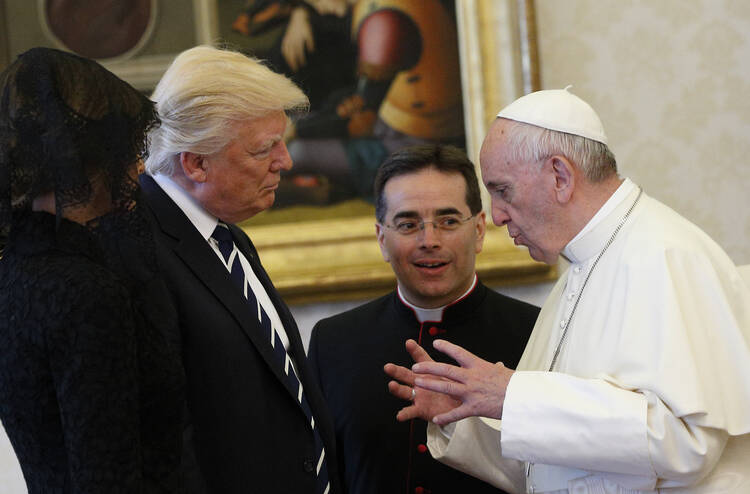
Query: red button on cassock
{"x": 419, "y": 490}
{"x": 422, "y": 448}
{"x": 434, "y": 330}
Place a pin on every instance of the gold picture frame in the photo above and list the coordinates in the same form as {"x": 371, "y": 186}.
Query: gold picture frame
{"x": 339, "y": 259}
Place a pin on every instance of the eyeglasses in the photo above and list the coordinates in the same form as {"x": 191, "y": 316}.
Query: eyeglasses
{"x": 446, "y": 223}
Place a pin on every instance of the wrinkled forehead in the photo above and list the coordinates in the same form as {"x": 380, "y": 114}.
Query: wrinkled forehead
{"x": 498, "y": 135}
{"x": 494, "y": 156}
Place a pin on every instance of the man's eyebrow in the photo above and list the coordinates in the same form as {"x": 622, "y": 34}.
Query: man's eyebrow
{"x": 444, "y": 211}
{"x": 438, "y": 212}
{"x": 406, "y": 214}
{"x": 264, "y": 144}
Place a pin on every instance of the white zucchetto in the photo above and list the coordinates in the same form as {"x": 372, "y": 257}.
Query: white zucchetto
{"x": 557, "y": 109}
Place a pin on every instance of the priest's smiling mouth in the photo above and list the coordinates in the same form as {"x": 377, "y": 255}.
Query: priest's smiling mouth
{"x": 430, "y": 265}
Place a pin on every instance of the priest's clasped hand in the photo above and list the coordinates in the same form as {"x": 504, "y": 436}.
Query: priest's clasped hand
{"x": 446, "y": 393}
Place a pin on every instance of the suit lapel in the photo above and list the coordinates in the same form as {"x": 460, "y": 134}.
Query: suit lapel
{"x": 201, "y": 259}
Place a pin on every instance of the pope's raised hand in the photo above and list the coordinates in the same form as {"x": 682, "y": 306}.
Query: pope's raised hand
{"x": 425, "y": 403}
{"x": 478, "y": 385}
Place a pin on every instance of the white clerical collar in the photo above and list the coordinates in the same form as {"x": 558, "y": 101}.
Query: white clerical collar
{"x": 589, "y": 241}
{"x": 435, "y": 314}
{"x": 204, "y": 221}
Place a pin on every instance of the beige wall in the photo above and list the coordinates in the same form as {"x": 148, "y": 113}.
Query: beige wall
{"x": 671, "y": 82}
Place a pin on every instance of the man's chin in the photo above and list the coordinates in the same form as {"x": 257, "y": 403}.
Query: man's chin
{"x": 435, "y": 294}
{"x": 247, "y": 214}
{"x": 537, "y": 256}
{"x": 269, "y": 197}
{"x": 541, "y": 257}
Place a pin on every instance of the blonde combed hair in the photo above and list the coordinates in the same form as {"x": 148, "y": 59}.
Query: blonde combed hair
{"x": 203, "y": 93}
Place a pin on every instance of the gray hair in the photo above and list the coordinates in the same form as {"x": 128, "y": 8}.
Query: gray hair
{"x": 530, "y": 143}
{"x": 203, "y": 93}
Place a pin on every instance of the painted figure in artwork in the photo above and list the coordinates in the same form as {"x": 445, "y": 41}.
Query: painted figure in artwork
{"x": 407, "y": 92}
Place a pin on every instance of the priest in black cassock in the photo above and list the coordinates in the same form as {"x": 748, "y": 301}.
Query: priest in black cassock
{"x": 430, "y": 227}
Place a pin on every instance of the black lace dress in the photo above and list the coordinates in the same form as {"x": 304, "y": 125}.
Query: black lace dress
{"x": 91, "y": 385}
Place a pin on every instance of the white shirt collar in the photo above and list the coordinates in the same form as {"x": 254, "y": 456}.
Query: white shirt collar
{"x": 204, "y": 221}
{"x": 435, "y": 314}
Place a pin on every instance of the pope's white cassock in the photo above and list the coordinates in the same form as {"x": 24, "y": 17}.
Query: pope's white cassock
{"x": 651, "y": 389}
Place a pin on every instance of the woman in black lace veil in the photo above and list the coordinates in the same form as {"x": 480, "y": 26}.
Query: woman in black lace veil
{"x": 91, "y": 385}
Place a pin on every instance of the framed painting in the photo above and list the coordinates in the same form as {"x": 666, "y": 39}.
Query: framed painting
{"x": 323, "y": 251}
{"x": 135, "y": 39}
{"x": 318, "y": 241}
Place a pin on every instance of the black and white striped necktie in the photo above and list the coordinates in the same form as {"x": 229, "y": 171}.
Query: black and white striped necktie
{"x": 229, "y": 252}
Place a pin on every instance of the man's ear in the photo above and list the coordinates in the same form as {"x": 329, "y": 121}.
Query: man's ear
{"x": 564, "y": 176}
{"x": 380, "y": 233}
{"x": 194, "y": 166}
{"x": 481, "y": 228}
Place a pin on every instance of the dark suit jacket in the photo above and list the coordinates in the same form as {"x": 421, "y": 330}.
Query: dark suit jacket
{"x": 377, "y": 454}
{"x": 247, "y": 430}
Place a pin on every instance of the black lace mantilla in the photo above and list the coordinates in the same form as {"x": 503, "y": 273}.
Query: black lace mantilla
{"x": 91, "y": 387}
{"x": 64, "y": 119}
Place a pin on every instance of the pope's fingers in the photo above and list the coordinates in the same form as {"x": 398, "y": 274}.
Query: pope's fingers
{"x": 399, "y": 373}
{"x": 440, "y": 369}
{"x": 450, "y": 388}
{"x": 454, "y": 415}
{"x": 418, "y": 354}
{"x": 407, "y": 413}
{"x": 400, "y": 391}
{"x": 464, "y": 357}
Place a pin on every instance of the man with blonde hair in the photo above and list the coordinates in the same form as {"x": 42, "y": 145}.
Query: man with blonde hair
{"x": 255, "y": 418}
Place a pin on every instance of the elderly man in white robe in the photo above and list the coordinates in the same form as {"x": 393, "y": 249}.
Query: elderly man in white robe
{"x": 636, "y": 378}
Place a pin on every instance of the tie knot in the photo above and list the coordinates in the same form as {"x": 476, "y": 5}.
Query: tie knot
{"x": 222, "y": 234}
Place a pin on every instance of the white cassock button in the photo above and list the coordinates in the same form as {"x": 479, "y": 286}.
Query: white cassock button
{"x": 571, "y": 295}
{"x": 577, "y": 269}
{"x": 562, "y": 323}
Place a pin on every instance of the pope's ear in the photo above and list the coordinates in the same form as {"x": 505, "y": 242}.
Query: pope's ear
{"x": 380, "y": 233}
{"x": 564, "y": 175}
{"x": 194, "y": 166}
